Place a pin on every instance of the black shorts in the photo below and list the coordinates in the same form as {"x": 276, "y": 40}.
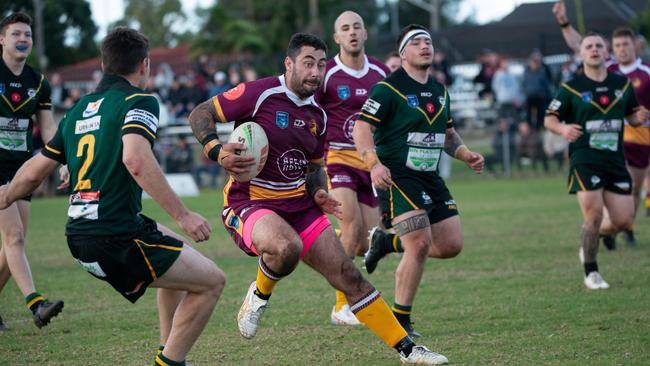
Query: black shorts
{"x": 129, "y": 262}
{"x": 586, "y": 177}
{"x": 6, "y": 175}
{"x": 413, "y": 192}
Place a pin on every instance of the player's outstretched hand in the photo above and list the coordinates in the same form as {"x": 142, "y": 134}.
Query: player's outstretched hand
{"x": 380, "y": 176}
{"x": 231, "y": 160}
{"x": 328, "y": 204}
{"x": 571, "y": 132}
{"x": 559, "y": 10}
{"x": 475, "y": 161}
{"x": 642, "y": 116}
{"x": 195, "y": 226}
{"x": 64, "y": 176}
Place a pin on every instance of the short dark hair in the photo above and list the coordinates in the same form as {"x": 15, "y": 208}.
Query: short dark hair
{"x": 623, "y": 32}
{"x": 13, "y": 19}
{"x": 392, "y": 54}
{"x": 407, "y": 29}
{"x": 122, "y": 50}
{"x": 300, "y": 40}
{"x": 592, "y": 34}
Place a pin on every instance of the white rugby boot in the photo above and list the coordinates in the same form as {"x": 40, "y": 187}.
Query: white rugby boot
{"x": 250, "y": 313}
{"x": 594, "y": 281}
{"x": 420, "y": 355}
{"x": 345, "y": 316}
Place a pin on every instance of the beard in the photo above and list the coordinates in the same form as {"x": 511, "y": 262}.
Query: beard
{"x": 300, "y": 89}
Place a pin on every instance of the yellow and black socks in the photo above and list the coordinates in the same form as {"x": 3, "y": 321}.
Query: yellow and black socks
{"x": 266, "y": 280}
{"x": 33, "y": 300}
{"x": 402, "y": 313}
{"x": 373, "y": 311}
{"x": 340, "y": 301}
{"x": 392, "y": 244}
{"x": 161, "y": 360}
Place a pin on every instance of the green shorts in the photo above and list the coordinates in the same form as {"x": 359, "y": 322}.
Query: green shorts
{"x": 587, "y": 177}
{"x": 129, "y": 262}
{"x": 415, "y": 191}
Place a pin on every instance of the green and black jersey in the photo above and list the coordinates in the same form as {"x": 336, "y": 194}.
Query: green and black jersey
{"x": 600, "y": 108}
{"x": 411, "y": 121}
{"x": 105, "y": 198}
{"x": 21, "y": 97}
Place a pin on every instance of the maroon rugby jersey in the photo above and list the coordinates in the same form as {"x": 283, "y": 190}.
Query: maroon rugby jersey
{"x": 343, "y": 93}
{"x": 296, "y": 132}
{"x": 639, "y": 75}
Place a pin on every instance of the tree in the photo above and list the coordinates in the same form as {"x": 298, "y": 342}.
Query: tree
{"x": 68, "y": 28}
{"x": 154, "y": 18}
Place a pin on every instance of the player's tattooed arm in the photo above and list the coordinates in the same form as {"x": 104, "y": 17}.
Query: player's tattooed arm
{"x": 315, "y": 179}
{"x": 453, "y": 143}
{"x": 202, "y": 119}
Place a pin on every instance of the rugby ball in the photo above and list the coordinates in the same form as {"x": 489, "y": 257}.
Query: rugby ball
{"x": 251, "y": 135}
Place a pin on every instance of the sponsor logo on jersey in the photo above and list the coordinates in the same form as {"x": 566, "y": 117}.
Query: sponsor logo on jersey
{"x": 604, "y": 100}
{"x": 554, "y": 105}
{"x": 430, "y": 107}
{"x": 604, "y": 125}
{"x": 371, "y": 106}
{"x": 426, "y": 94}
{"x": 31, "y": 92}
{"x": 92, "y": 108}
{"x": 292, "y": 164}
{"x": 348, "y": 125}
{"x": 282, "y": 119}
{"x": 451, "y": 204}
{"x": 343, "y": 91}
{"x": 15, "y": 97}
{"x": 15, "y": 85}
{"x": 636, "y": 83}
{"x": 587, "y": 97}
{"x": 602, "y": 89}
{"x": 299, "y": 123}
{"x": 595, "y": 180}
{"x": 2, "y": 88}
{"x": 236, "y": 92}
{"x": 313, "y": 128}
{"x": 427, "y": 140}
{"x": 412, "y": 100}
{"x": 143, "y": 117}
{"x": 441, "y": 100}
{"x": 86, "y": 125}
{"x": 618, "y": 93}
{"x": 360, "y": 92}
{"x": 92, "y": 267}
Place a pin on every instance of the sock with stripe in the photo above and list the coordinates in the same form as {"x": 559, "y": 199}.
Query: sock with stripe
{"x": 265, "y": 281}
{"x": 373, "y": 311}
{"x": 161, "y": 360}
{"x": 160, "y": 349}
{"x": 402, "y": 313}
{"x": 392, "y": 244}
{"x": 340, "y": 300}
{"x": 647, "y": 200}
{"x": 33, "y": 300}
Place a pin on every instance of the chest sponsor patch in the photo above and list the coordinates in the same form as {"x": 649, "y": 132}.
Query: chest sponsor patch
{"x": 2, "y": 88}
{"x": 360, "y": 92}
{"x": 371, "y": 106}
{"x": 430, "y": 108}
{"x": 15, "y": 97}
{"x": 412, "y": 100}
{"x": 604, "y": 125}
{"x": 236, "y": 92}
{"x": 343, "y": 91}
{"x": 428, "y": 140}
{"x": 282, "y": 119}
{"x": 31, "y": 92}
{"x": 143, "y": 117}
{"x": 292, "y": 164}
{"x": 92, "y": 108}
{"x": 587, "y": 97}
{"x": 604, "y": 100}
{"x": 86, "y": 125}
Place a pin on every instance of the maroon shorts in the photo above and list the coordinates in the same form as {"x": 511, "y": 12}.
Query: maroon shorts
{"x": 636, "y": 155}
{"x": 307, "y": 223}
{"x": 358, "y": 180}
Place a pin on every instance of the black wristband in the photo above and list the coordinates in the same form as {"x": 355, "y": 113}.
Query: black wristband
{"x": 565, "y": 24}
{"x": 211, "y": 136}
{"x": 213, "y": 154}
{"x": 211, "y": 146}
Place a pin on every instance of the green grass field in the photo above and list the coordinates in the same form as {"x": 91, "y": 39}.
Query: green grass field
{"x": 513, "y": 297}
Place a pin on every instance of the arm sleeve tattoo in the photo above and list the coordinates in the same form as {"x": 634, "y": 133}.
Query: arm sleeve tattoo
{"x": 452, "y": 142}
{"x": 202, "y": 119}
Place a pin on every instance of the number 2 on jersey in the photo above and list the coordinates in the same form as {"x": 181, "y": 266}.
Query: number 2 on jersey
{"x": 90, "y": 154}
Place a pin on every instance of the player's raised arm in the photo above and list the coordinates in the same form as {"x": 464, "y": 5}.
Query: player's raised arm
{"x": 570, "y": 34}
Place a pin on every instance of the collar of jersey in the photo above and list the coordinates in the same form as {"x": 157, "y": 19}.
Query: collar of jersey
{"x": 293, "y": 97}
{"x": 109, "y": 80}
{"x": 632, "y": 67}
{"x": 350, "y": 71}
